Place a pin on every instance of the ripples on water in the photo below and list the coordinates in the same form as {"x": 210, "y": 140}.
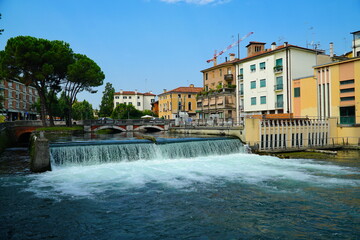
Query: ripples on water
{"x": 235, "y": 196}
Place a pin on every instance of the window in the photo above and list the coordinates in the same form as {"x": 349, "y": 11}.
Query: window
{"x": 253, "y": 84}
{"x": 253, "y": 101}
{"x": 206, "y": 76}
{"x": 263, "y": 100}
{"x": 117, "y": 97}
{"x": 152, "y": 100}
{"x": 241, "y": 89}
{"x": 262, "y": 65}
{"x": 189, "y": 106}
{"x": 257, "y": 48}
{"x": 179, "y": 95}
{"x": 241, "y": 71}
{"x": 124, "y": 97}
{"x": 279, "y": 83}
{"x": 297, "y": 92}
{"x": 253, "y": 68}
{"x": 138, "y": 97}
{"x": 220, "y": 71}
{"x": 346, "y": 90}
{"x": 139, "y": 104}
{"x": 279, "y": 62}
{"x": 189, "y": 96}
{"x": 347, "y": 82}
{"x": 262, "y": 82}
{"x": 347, "y": 99}
{"x": 129, "y": 97}
{"x": 228, "y": 70}
{"x": 117, "y": 104}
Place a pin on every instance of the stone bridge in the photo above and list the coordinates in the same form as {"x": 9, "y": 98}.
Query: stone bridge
{"x": 128, "y": 125}
{"x": 19, "y": 131}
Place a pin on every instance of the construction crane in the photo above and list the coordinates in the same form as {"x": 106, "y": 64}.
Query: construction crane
{"x": 229, "y": 47}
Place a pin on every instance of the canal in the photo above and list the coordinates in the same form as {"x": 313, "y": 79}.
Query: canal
{"x": 225, "y": 194}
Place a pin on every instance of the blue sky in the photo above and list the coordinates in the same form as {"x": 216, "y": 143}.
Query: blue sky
{"x": 151, "y": 45}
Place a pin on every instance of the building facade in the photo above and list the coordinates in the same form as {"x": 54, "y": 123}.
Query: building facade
{"x": 19, "y": 100}
{"x": 338, "y": 90}
{"x": 356, "y": 44}
{"x": 218, "y": 99}
{"x": 178, "y": 100}
{"x": 141, "y": 101}
{"x": 265, "y": 78}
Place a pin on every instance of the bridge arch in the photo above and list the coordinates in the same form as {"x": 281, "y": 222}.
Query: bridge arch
{"x": 109, "y": 127}
{"x": 150, "y": 127}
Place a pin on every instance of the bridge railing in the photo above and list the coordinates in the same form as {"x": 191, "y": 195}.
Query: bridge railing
{"x": 128, "y": 122}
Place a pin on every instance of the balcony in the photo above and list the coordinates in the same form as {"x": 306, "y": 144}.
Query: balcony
{"x": 278, "y": 69}
{"x": 241, "y": 92}
{"x": 279, "y": 104}
{"x": 279, "y": 87}
{"x": 241, "y": 77}
{"x": 229, "y": 77}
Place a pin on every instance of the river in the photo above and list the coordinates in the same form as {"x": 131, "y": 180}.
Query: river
{"x": 221, "y": 195}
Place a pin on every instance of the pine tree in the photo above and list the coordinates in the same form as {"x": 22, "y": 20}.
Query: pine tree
{"x": 107, "y": 101}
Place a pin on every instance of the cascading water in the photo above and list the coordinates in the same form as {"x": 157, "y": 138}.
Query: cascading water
{"x": 103, "y": 152}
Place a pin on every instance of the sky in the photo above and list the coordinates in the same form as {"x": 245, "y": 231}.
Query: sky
{"x": 151, "y": 45}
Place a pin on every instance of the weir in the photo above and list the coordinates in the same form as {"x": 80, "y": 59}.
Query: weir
{"x": 97, "y": 152}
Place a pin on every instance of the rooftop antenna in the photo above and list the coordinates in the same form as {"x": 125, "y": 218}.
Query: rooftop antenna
{"x": 280, "y": 39}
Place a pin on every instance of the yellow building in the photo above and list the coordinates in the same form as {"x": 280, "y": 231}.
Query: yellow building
{"x": 304, "y": 97}
{"x": 333, "y": 92}
{"x": 181, "y": 99}
{"x": 218, "y": 100}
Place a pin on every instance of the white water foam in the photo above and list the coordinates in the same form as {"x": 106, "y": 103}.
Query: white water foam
{"x": 184, "y": 173}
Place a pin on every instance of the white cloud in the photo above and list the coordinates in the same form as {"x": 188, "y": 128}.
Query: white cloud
{"x": 198, "y": 2}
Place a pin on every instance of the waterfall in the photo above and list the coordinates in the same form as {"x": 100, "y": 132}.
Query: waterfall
{"x": 90, "y": 153}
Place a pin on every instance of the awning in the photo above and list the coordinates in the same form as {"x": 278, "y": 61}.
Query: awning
{"x": 205, "y": 102}
{"x": 220, "y": 101}
{"x": 212, "y": 102}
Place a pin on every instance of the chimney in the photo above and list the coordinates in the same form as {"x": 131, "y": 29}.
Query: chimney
{"x": 331, "y": 49}
{"x": 164, "y": 90}
{"x": 121, "y": 91}
{"x": 150, "y": 92}
{"x": 273, "y": 46}
{"x": 191, "y": 85}
{"x": 136, "y": 91}
{"x": 232, "y": 56}
{"x": 255, "y": 48}
{"x": 285, "y": 44}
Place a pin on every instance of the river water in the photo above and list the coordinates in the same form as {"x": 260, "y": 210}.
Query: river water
{"x": 218, "y": 195}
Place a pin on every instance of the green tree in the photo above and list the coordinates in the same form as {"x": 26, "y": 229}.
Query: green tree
{"x": 82, "y": 74}
{"x": 37, "y": 62}
{"x": 107, "y": 101}
{"x": 82, "y": 110}
{"x": 123, "y": 111}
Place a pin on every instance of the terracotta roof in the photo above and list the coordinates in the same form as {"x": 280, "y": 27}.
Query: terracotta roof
{"x": 185, "y": 90}
{"x": 133, "y": 93}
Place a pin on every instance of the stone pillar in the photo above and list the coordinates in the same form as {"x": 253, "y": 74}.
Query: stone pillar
{"x": 40, "y": 160}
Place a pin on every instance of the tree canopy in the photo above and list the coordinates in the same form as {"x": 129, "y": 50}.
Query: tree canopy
{"x": 49, "y": 66}
{"x": 82, "y": 74}
{"x": 37, "y": 62}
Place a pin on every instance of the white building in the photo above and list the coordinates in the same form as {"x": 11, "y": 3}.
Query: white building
{"x": 141, "y": 101}
{"x": 356, "y": 44}
{"x": 265, "y": 77}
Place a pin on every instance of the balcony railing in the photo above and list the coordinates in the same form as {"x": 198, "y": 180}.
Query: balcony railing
{"x": 241, "y": 77}
{"x": 279, "y": 104}
{"x": 278, "y": 87}
{"x": 228, "y": 77}
{"x": 278, "y": 69}
{"x": 241, "y": 92}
